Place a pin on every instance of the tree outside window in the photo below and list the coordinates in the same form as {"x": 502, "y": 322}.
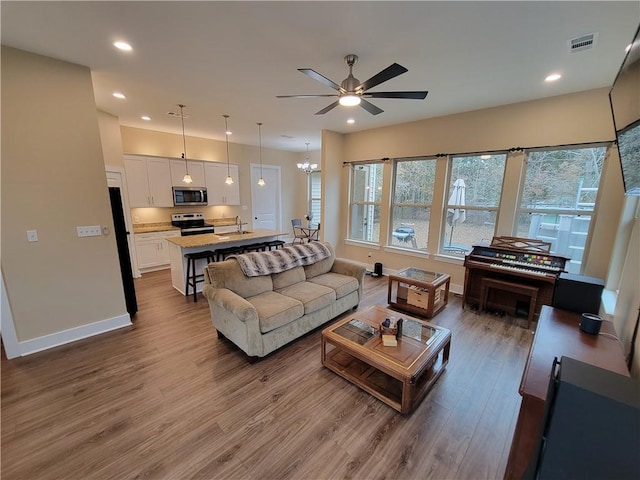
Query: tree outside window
{"x": 411, "y": 207}
{"x": 558, "y": 198}
{"x": 473, "y": 200}
{"x": 366, "y": 197}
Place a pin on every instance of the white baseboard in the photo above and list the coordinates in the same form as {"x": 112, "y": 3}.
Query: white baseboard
{"x": 52, "y": 340}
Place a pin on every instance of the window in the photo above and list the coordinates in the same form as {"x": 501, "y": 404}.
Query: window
{"x": 411, "y": 204}
{"x": 315, "y": 195}
{"x": 473, "y": 198}
{"x": 558, "y": 198}
{"x": 366, "y": 196}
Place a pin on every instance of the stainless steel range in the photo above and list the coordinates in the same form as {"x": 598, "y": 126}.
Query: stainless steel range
{"x": 191, "y": 223}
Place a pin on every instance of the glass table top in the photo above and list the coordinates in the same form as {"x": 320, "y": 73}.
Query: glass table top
{"x": 419, "y": 275}
{"x": 360, "y": 332}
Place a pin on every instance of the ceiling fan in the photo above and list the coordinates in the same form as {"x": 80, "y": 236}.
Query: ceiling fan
{"x": 351, "y": 92}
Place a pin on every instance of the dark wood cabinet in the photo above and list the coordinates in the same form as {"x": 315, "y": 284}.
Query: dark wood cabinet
{"x": 557, "y": 334}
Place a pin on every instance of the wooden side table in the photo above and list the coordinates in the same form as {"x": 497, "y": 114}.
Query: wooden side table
{"x": 557, "y": 334}
{"x": 418, "y": 292}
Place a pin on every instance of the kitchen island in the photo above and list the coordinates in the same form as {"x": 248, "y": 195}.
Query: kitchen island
{"x": 178, "y": 246}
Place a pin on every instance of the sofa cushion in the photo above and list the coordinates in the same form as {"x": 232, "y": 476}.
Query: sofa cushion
{"x": 228, "y": 274}
{"x": 341, "y": 284}
{"x": 321, "y": 266}
{"x": 288, "y": 277}
{"x": 313, "y": 296}
{"x": 275, "y": 310}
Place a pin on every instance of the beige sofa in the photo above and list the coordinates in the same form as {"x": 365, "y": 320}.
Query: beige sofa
{"x": 262, "y": 313}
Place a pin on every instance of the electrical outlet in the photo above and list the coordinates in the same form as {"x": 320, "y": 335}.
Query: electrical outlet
{"x": 32, "y": 235}
{"x": 370, "y": 255}
{"x": 89, "y": 231}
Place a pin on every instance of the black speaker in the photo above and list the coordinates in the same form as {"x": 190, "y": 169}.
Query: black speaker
{"x": 592, "y": 426}
{"x": 377, "y": 269}
{"x": 578, "y": 293}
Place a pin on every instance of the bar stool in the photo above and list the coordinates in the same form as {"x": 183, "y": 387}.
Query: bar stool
{"x": 274, "y": 244}
{"x": 254, "y": 247}
{"x": 192, "y": 278}
{"x": 223, "y": 253}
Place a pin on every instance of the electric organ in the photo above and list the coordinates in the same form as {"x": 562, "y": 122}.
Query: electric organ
{"x": 513, "y": 275}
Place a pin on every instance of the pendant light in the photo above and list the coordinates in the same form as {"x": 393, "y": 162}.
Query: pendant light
{"x": 261, "y": 181}
{"x": 229, "y": 180}
{"x": 187, "y": 178}
{"x": 307, "y": 167}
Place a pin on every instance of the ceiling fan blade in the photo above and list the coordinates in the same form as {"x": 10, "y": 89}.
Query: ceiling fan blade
{"x": 330, "y": 107}
{"x": 388, "y": 73}
{"x": 409, "y": 95}
{"x": 306, "y": 96}
{"x": 370, "y": 107}
{"x": 320, "y": 78}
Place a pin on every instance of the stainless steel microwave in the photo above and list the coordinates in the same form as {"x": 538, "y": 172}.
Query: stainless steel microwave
{"x": 189, "y": 196}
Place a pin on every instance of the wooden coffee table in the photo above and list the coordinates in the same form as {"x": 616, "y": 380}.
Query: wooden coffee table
{"x": 399, "y": 376}
{"x": 418, "y": 292}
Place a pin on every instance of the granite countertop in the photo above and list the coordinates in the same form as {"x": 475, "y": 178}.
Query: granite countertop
{"x": 153, "y": 227}
{"x": 214, "y": 239}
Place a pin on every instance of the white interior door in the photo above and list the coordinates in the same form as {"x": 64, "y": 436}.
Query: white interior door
{"x": 265, "y": 200}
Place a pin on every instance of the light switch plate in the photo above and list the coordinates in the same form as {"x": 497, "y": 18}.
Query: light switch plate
{"x": 32, "y": 235}
{"x": 89, "y": 231}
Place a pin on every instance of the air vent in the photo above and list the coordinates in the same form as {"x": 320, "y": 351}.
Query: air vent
{"x": 177, "y": 114}
{"x": 287, "y": 136}
{"x": 582, "y": 43}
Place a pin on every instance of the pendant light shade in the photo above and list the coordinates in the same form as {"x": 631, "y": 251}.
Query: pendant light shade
{"x": 228, "y": 180}
{"x": 187, "y": 178}
{"x": 261, "y": 181}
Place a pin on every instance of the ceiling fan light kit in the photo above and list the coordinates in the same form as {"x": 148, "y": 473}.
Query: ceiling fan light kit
{"x": 351, "y": 92}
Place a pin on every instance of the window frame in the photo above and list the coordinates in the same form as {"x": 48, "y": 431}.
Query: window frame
{"x": 392, "y": 203}
{"x": 373, "y": 204}
{"x": 444, "y": 226}
{"x": 585, "y": 212}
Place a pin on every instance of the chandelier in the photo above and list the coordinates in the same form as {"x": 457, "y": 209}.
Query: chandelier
{"x": 307, "y": 167}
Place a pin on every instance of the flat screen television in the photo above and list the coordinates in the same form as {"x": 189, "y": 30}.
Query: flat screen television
{"x": 625, "y": 107}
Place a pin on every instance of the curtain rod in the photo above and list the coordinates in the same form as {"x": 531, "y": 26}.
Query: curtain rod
{"x": 485, "y": 152}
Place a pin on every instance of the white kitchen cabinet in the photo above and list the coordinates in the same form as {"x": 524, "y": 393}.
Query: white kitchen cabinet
{"x": 149, "y": 181}
{"x": 219, "y": 192}
{"x": 196, "y": 170}
{"x": 152, "y": 250}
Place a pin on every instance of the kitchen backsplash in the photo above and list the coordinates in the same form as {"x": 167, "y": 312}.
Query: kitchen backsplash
{"x": 153, "y": 215}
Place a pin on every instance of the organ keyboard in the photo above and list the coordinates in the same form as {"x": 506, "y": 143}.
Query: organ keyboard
{"x": 518, "y": 261}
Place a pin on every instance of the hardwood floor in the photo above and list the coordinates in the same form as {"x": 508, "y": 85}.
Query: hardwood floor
{"x": 166, "y": 399}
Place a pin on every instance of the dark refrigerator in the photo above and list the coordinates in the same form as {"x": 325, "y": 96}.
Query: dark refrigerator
{"x": 121, "y": 233}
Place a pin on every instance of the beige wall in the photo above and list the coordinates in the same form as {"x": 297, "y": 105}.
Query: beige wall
{"x": 149, "y": 142}
{"x": 53, "y": 180}
{"x": 577, "y": 118}
{"x": 111, "y": 139}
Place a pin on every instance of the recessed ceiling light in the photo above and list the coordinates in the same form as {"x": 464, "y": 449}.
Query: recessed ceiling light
{"x": 351, "y": 120}
{"x": 146, "y": 117}
{"x": 119, "y": 95}
{"x": 122, "y": 46}
{"x": 553, "y": 77}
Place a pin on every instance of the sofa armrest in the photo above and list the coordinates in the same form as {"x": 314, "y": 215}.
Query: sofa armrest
{"x": 231, "y": 302}
{"x": 351, "y": 268}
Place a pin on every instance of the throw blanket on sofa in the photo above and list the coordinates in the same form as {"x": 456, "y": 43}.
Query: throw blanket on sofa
{"x": 255, "y": 264}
